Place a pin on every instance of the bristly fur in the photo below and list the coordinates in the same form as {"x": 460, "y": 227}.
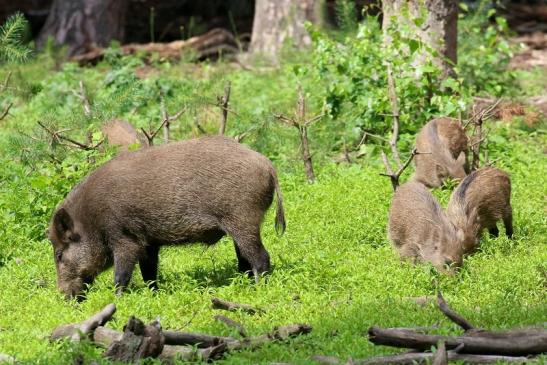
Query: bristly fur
{"x": 419, "y": 229}
{"x": 443, "y": 146}
{"x": 481, "y": 199}
{"x": 191, "y": 191}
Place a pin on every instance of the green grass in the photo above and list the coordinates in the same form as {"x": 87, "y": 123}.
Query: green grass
{"x": 333, "y": 269}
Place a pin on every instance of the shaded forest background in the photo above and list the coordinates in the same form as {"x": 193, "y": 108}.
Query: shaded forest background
{"x": 176, "y": 19}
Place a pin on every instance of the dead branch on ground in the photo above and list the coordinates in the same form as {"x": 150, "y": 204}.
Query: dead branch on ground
{"x": 223, "y": 102}
{"x": 300, "y": 122}
{"x": 234, "y": 307}
{"x": 441, "y": 357}
{"x": 452, "y": 315}
{"x": 78, "y": 331}
{"x": 6, "y": 111}
{"x": 231, "y": 323}
{"x": 212, "y": 44}
{"x": 422, "y": 358}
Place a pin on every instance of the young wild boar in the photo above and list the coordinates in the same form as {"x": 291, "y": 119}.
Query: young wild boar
{"x": 419, "y": 229}
{"x": 191, "y": 191}
{"x": 479, "y": 202}
{"x": 444, "y": 146}
{"x": 121, "y": 133}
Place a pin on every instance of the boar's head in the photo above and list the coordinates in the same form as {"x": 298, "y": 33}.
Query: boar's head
{"x": 79, "y": 257}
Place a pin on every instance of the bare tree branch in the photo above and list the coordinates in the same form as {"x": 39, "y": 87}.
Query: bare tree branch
{"x": 395, "y": 111}
{"x": 300, "y": 122}
{"x": 58, "y": 137}
{"x": 395, "y": 176}
{"x": 6, "y": 111}
{"x": 232, "y": 307}
{"x": 223, "y": 102}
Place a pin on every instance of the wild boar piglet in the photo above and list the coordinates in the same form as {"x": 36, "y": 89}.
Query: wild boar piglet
{"x": 443, "y": 146}
{"x": 192, "y": 191}
{"x": 420, "y": 230}
{"x": 481, "y": 200}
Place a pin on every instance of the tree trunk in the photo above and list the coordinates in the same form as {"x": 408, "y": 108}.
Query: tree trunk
{"x": 279, "y": 21}
{"x": 439, "y": 30}
{"x": 83, "y": 24}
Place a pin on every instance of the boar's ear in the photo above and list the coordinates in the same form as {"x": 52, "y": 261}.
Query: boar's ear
{"x": 461, "y": 159}
{"x": 63, "y": 223}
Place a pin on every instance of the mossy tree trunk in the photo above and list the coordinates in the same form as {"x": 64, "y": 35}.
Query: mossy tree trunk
{"x": 277, "y": 22}
{"x": 439, "y": 30}
{"x": 81, "y": 24}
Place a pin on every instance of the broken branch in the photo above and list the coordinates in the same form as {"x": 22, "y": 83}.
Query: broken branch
{"x": 452, "y": 315}
{"x": 57, "y": 137}
{"x": 486, "y": 343}
{"x": 234, "y": 307}
{"x": 194, "y": 339}
{"x": 78, "y": 331}
{"x": 395, "y": 176}
{"x": 6, "y": 111}
{"x": 231, "y": 323}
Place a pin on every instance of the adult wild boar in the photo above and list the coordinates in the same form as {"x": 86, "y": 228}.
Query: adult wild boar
{"x": 480, "y": 201}
{"x": 191, "y": 191}
{"x": 420, "y": 230}
{"x": 444, "y": 146}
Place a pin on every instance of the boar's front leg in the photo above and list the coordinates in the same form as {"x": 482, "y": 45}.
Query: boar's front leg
{"x": 126, "y": 255}
{"x": 149, "y": 266}
{"x": 508, "y": 223}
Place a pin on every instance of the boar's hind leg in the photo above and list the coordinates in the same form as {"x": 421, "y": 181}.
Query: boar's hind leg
{"x": 250, "y": 251}
{"x": 148, "y": 264}
{"x": 508, "y": 222}
{"x": 242, "y": 264}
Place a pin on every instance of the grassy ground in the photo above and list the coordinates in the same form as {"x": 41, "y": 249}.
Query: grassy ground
{"x": 333, "y": 269}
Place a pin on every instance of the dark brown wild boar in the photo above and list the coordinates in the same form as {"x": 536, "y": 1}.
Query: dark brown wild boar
{"x": 443, "y": 144}
{"x": 121, "y": 133}
{"x": 480, "y": 201}
{"x": 420, "y": 230}
{"x": 191, "y": 191}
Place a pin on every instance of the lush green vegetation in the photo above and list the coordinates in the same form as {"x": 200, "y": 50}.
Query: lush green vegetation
{"x": 334, "y": 268}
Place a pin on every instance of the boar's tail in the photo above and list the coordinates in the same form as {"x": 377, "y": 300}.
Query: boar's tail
{"x": 280, "y": 224}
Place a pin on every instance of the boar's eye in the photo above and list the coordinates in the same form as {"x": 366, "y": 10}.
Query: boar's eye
{"x": 74, "y": 237}
{"x": 58, "y": 255}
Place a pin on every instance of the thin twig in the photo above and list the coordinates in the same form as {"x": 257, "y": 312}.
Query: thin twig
{"x": 57, "y": 136}
{"x": 395, "y": 176}
{"x": 6, "y": 82}
{"x": 6, "y": 111}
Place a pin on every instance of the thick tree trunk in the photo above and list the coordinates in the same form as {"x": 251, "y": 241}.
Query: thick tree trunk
{"x": 83, "y": 24}
{"x": 440, "y": 29}
{"x": 279, "y": 21}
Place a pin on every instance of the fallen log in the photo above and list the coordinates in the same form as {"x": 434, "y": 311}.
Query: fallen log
{"x": 194, "y": 339}
{"x": 511, "y": 343}
{"x": 417, "y": 358}
{"x": 187, "y": 353}
{"x": 212, "y": 44}
{"x": 78, "y": 331}
{"x": 234, "y": 307}
{"x": 138, "y": 341}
